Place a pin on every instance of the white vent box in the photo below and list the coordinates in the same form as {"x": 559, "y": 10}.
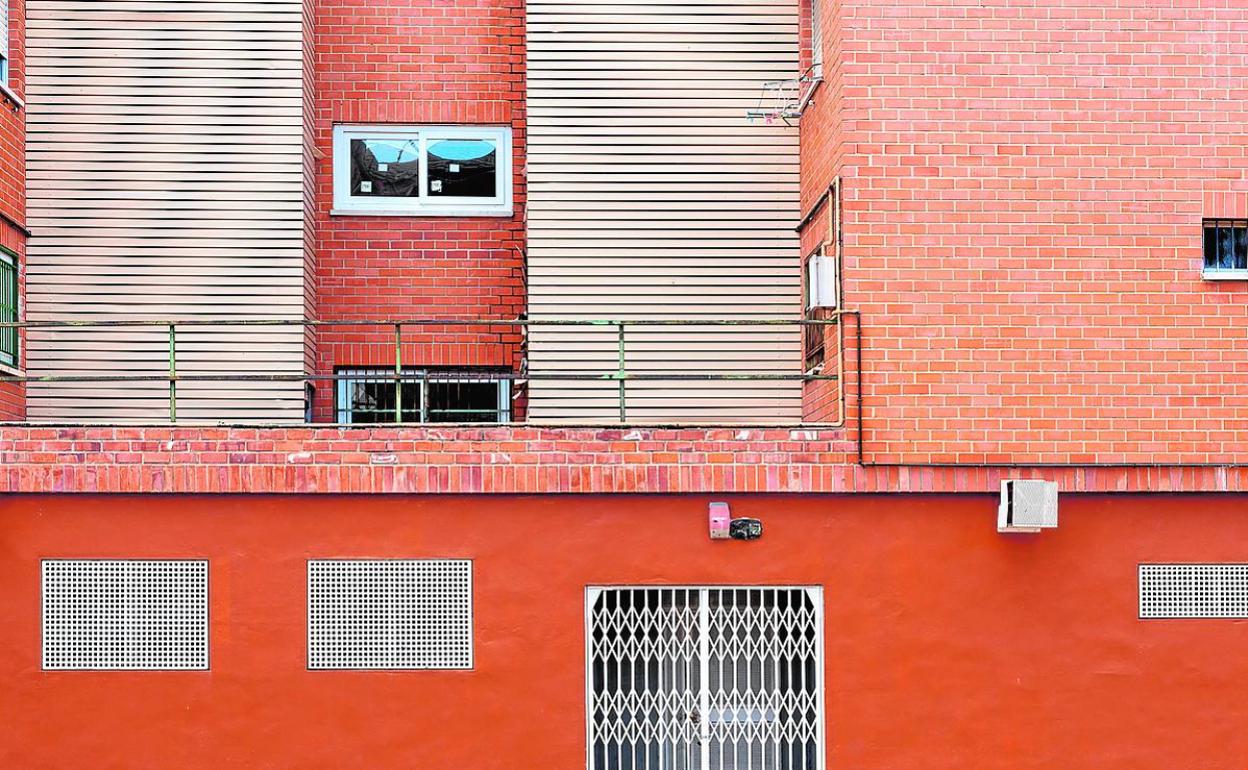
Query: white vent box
{"x": 822, "y": 282}
{"x": 1027, "y": 506}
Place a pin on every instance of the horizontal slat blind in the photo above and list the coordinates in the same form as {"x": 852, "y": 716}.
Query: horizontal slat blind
{"x": 165, "y": 175}
{"x": 652, "y": 196}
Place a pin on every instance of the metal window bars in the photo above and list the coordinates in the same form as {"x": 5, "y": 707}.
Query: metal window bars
{"x": 8, "y": 309}
{"x": 624, "y": 373}
{"x": 704, "y": 678}
{"x": 428, "y": 395}
{"x": 1226, "y": 245}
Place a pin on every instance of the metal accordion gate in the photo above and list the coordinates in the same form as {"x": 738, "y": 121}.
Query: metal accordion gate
{"x": 710, "y": 678}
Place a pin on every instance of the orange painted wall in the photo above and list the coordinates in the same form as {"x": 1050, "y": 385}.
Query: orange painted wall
{"x": 948, "y": 645}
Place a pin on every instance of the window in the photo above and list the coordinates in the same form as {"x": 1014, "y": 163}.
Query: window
{"x": 390, "y": 614}
{"x": 1226, "y": 248}
{"x": 101, "y": 614}
{"x": 422, "y": 170}
{"x": 4, "y": 43}
{"x": 8, "y": 308}
{"x": 816, "y": 38}
{"x": 376, "y": 396}
{"x": 705, "y": 678}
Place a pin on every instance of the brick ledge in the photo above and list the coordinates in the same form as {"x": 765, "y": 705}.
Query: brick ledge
{"x": 512, "y": 460}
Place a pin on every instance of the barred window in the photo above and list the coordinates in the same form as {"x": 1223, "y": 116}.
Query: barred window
{"x": 1226, "y": 246}
{"x": 8, "y": 308}
{"x": 452, "y": 395}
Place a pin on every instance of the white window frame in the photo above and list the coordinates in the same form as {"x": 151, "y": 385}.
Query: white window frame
{"x": 6, "y": 41}
{"x": 422, "y": 204}
{"x": 816, "y": 35}
{"x": 415, "y": 378}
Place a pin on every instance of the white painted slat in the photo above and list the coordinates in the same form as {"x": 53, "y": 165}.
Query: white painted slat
{"x": 165, "y": 160}
{"x": 651, "y": 195}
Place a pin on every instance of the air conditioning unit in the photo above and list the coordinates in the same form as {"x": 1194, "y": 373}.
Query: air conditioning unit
{"x": 822, "y": 282}
{"x": 1027, "y": 506}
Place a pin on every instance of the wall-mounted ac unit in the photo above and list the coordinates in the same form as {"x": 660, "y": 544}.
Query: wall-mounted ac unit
{"x": 1027, "y": 506}
{"x": 822, "y": 282}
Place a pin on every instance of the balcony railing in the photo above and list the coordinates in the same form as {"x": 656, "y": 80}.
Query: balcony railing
{"x": 622, "y": 359}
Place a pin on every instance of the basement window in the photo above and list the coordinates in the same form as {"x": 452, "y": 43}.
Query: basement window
{"x": 8, "y": 308}
{"x": 376, "y": 396}
{"x": 422, "y": 170}
{"x": 1226, "y": 249}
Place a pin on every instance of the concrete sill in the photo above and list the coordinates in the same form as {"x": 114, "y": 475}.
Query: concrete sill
{"x": 1224, "y": 275}
{"x": 462, "y": 212}
{"x": 9, "y": 96}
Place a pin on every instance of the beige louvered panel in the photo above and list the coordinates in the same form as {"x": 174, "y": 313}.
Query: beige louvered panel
{"x": 652, "y": 196}
{"x": 165, "y": 160}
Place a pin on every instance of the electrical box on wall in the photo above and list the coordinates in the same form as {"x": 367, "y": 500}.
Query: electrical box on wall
{"x": 1027, "y": 505}
{"x": 822, "y": 282}
{"x": 720, "y": 521}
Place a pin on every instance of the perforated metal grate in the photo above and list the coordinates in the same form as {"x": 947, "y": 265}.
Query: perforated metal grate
{"x": 102, "y": 614}
{"x": 389, "y": 614}
{"x": 1194, "y": 590}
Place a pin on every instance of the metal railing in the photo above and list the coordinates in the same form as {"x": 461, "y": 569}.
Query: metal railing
{"x": 622, "y": 331}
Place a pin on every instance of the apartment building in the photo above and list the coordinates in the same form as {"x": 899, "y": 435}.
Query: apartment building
{"x": 623, "y": 384}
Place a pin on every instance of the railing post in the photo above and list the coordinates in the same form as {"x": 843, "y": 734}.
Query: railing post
{"x": 173, "y": 373}
{"x": 398, "y": 372}
{"x": 620, "y": 374}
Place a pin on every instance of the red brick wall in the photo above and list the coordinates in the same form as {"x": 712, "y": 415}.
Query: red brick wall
{"x": 1024, "y": 191}
{"x": 13, "y": 187}
{"x": 410, "y": 62}
{"x": 822, "y": 158}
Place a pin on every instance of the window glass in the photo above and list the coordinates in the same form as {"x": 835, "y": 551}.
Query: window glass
{"x": 462, "y": 168}
{"x": 388, "y": 168}
{"x": 463, "y": 401}
{"x": 816, "y": 37}
{"x": 4, "y": 41}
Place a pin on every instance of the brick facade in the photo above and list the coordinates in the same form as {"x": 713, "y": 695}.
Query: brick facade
{"x": 1024, "y": 189}
{"x": 13, "y": 186}
{"x": 504, "y": 460}
{"x": 412, "y": 62}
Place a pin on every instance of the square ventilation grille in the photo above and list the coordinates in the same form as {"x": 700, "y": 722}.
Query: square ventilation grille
{"x": 1027, "y": 505}
{"x": 391, "y": 614}
{"x": 1194, "y": 591}
{"x": 103, "y": 615}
